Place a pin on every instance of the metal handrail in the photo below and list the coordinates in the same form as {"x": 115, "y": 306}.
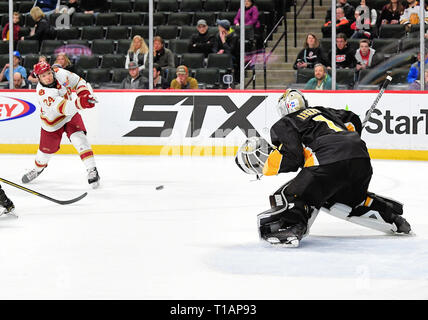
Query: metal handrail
{"x": 253, "y": 78}
{"x": 296, "y": 14}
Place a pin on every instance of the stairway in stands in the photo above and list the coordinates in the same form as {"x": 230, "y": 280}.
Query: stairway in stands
{"x": 281, "y": 73}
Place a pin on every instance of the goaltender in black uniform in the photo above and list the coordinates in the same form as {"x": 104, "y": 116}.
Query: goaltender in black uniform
{"x": 336, "y": 171}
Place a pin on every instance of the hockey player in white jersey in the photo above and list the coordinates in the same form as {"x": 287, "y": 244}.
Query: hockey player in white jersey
{"x": 59, "y": 113}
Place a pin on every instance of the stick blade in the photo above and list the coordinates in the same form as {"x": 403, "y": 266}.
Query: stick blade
{"x": 63, "y": 202}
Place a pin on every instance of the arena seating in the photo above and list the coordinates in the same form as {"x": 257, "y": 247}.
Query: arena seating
{"x": 108, "y": 35}
{"x": 389, "y": 40}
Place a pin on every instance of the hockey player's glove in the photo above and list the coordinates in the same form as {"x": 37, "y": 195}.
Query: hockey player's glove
{"x": 85, "y": 101}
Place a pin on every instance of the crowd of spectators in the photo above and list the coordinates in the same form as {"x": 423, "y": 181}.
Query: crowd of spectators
{"x": 361, "y": 22}
{"x": 225, "y": 41}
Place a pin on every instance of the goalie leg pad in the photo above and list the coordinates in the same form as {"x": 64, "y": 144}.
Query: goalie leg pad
{"x": 370, "y": 218}
{"x": 285, "y": 215}
{"x": 388, "y": 209}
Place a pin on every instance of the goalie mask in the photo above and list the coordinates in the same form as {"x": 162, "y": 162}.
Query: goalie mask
{"x": 252, "y": 155}
{"x": 291, "y": 101}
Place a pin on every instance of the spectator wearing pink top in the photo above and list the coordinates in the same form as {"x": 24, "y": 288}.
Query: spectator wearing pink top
{"x": 251, "y": 19}
{"x": 251, "y": 15}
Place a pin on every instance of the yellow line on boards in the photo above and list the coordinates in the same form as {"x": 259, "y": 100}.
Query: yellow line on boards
{"x": 193, "y": 151}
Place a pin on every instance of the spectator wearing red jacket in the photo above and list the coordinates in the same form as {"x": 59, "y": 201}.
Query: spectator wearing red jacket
{"x": 16, "y": 28}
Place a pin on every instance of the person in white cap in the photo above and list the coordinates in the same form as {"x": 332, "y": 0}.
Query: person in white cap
{"x": 203, "y": 41}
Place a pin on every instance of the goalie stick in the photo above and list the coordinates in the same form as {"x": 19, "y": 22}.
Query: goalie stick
{"x": 62, "y": 202}
{"x": 379, "y": 95}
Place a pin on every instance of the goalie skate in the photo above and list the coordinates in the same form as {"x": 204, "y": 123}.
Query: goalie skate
{"x": 287, "y": 238}
{"x": 31, "y": 175}
{"x": 93, "y": 178}
{"x": 290, "y": 242}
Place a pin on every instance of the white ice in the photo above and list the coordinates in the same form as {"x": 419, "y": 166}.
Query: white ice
{"x": 197, "y": 238}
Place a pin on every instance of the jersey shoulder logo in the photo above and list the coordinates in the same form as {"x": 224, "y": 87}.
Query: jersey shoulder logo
{"x": 66, "y": 83}
{"x": 41, "y": 92}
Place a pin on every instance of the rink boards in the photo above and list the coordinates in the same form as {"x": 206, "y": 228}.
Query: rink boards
{"x": 212, "y": 123}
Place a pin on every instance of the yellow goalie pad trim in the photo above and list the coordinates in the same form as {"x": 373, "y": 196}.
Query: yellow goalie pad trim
{"x": 272, "y": 164}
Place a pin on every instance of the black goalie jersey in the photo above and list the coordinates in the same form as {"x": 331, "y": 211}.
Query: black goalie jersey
{"x": 314, "y": 136}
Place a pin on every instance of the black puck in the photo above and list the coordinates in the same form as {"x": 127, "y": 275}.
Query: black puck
{"x": 159, "y": 187}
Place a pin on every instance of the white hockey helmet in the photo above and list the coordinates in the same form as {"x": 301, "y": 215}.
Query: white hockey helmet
{"x": 291, "y": 101}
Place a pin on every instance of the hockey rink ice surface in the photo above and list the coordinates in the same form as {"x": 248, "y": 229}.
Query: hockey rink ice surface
{"x": 197, "y": 237}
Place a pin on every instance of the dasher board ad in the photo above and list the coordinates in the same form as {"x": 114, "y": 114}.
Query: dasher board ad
{"x": 145, "y": 119}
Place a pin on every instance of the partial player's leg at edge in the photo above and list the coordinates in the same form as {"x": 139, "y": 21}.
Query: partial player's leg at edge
{"x": 6, "y": 204}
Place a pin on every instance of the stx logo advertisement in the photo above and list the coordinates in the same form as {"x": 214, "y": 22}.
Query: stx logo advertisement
{"x": 237, "y": 115}
{"x": 13, "y": 108}
{"x": 132, "y": 120}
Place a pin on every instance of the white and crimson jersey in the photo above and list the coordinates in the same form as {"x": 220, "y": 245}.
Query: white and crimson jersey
{"x": 57, "y": 105}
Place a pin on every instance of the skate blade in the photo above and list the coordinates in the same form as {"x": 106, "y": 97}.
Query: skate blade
{"x": 291, "y": 242}
{"x": 4, "y": 214}
{"x": 95, "y": 185}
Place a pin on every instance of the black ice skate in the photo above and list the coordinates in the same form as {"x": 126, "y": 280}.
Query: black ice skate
{"x": 6, "y": 203}
{"x": 93, "y": 178}
{"x": 289, "y": 237}
{"x": 402, "y": 225}
{"x": 31, "y": 175}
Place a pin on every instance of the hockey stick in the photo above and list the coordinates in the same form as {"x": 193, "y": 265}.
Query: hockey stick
{"x": 42, "y": 195}
{"x": 379, "y": 95}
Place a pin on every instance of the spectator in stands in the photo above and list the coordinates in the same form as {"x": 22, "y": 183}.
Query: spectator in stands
{"x": 32, "y": 78}
{"x": 183, "y": 81}
{"x": 345, "y": 56}
{"x": 16, "y": 28}
{"x": 311, "y": 54}
{"x": 203, "y": 41}
{"x": 134, "y": 80}
{"x": 347, "y": 9}
{"x": 71, "y": 7}
{"x": 159, "y": 82}
{"x": 93, "y": 6}
{"x": 366, "y": 57}
{"x": 416, "y": 85}
{"x": 19, "y": 82}
{"x": 415, "y": 68}
{"x": 43, "y": 30}
{"x": 411, "y": 14}
{"x": 48, "y": 6}
{"x": 364, "y": 25}
{"x": 161, "y": 55}
{"x": 321, "y": 79}
{"x": 138, "y": 52}
{"x": 64, "y": 62}
{"x": 391, "y": 12}
{"x": 227, "y": 42}
{"x": 342, "y": 24}
{"x": 16, "y": 67}
{"x": 251, "y": 15}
